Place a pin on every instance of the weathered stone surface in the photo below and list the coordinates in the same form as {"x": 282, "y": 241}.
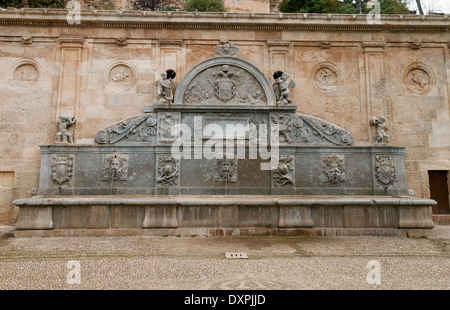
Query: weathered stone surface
{"x": 342, "y": 79}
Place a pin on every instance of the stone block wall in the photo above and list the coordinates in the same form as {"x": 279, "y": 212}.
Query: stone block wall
{"x": 346, "y": 71}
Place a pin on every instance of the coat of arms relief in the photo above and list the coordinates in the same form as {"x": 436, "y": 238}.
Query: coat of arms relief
{"x": 225, "y": 84}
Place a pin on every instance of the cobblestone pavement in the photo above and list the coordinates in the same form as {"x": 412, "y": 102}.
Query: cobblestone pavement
{"x": 199, "y": 263}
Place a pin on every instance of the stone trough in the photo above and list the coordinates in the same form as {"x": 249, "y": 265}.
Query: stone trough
{"x": 223, "y": 216}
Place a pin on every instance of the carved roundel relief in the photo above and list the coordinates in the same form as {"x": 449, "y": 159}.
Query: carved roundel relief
{"x": 120, "y": 76}
{"x": 419, "y": 78}
{"x": 24, "y": 74}
{"x": 326, "y": 77}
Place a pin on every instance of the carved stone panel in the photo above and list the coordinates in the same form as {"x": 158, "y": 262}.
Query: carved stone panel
{"x": 326, "y": 77}
{"x": 120, "y": 77}
{"x": 226, "y": 49}
{"x": 115, "y": 167}
{"x": 168, "y": 171}
{"x": 62, "y": 169}
{"x": 333, "y": 168}
{"x": 138, "y": 129}
{"x": 24, "y": 75}
{"x": 384, "y": 170}
{"x": 224, "y": 84}
{"x": 419, "y": 78}
{"x": 284, "y": 174}
{"x": 311, "y": 130}
{"x": 225, "y": 170}
{"x": 284, "y": 123}
{"x": 168, "y": 124}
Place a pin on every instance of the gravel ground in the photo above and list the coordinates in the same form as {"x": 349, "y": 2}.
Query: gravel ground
{"x": 199, "y": 263}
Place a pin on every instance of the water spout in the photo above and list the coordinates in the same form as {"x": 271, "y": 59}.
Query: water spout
{"x": 112, "y": 181}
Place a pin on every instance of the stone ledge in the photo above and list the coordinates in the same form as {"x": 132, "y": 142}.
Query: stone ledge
{"x": 221, "y": 232}
{"x": 224, "y": 200}
{"x": 197, "y": 20}
{"x": 261, "y": 214}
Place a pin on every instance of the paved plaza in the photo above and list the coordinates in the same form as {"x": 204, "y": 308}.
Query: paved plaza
{"x": 199, "y": 263}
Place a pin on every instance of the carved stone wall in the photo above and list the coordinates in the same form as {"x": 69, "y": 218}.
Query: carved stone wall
{"x": 103, "y": 73}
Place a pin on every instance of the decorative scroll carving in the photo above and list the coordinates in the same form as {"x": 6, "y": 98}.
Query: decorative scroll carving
{"x": 138, "y": 129}
{"x": 64, "y": 135}
{"x": 311, "y": 130}
{"x": 167, "y": 127}
{"x": 224, "y": 84}
{"x": 284, "y": 128}
{"x": 61, "y": 169}
{"x": 226, "y": 49}
{"x": 333, "y": 168}
{"x": 380, "y": 124}
{"x": 283, "y": 175}
{"x": 167, "y": 171}
{"x": 115, "y": 167}
{"x": 225, "y": 170}
{"x": 384, "y": 170}
{"x": 281, "y": 89}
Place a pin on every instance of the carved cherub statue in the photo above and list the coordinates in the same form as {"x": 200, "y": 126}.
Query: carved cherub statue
{"x": 281, "y": 89}
{"x": 64, "y": 135}
{"x": 164, "y": 89}
{"x": 380, "y": 124}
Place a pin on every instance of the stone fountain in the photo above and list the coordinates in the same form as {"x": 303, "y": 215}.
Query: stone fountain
{"x": 225, "y": 153}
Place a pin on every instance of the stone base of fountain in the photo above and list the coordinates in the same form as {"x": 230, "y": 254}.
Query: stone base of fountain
{"x": 223, "y": 216}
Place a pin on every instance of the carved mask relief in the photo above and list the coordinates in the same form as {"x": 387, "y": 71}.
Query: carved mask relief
{"x": 225, "y": 170}
{"x": 115, "y": 167}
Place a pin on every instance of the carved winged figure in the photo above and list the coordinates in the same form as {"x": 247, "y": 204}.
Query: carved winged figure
{"x": 226, "y": 49}
{"x": 281, "y": 89}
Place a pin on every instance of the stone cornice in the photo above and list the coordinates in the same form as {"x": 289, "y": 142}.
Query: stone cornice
{"x": 250, "y": 21}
